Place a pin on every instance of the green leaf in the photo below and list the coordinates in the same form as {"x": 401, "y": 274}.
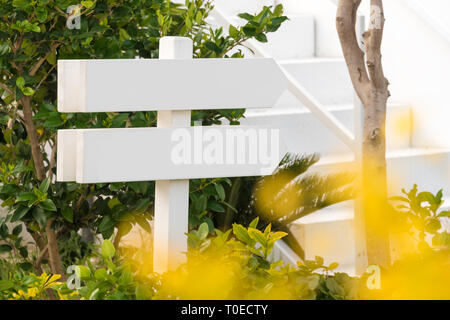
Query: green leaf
{"x": 139, "y": 187}
{"x": 242, "y": 234}
{"x": 82, "y": 272}
{"x": 143, "y": 292}
{"x": 43, "y": 114}
{"x": 143, "y": 223}
{"x": 9, "y": 189}
{"x": 433, "y": 225}
{"x": 399, "y": 198}
{"x": 108, "y": 250}
{"x": 26, "y": 196}
{"x": 17, "y": 230}
{"x": 48, "y": 205}
{"x": 113, "y": 202}
{"x": 124, "y": 35}
{"x": 26, "y": 266}
{"x": 215, "y": 206}
{"x": 220, "y": 191}
{"x": 87, "y": 4}
{"x": 213, "y": 47}
{"x": 444, "y": 214}
{"x": 40, "y": 216}
{"x": 106, "y": 223}
{"x": 278, "y": 235}
{"x": 101, "y": 274}
{"x": 334, "y": 287}
{"x": 51, "y": 59}
{"x": 67, "y": 213}
{"x": 258, "y": 236}
{"x": 5, "y": 248}
{"x": 20, "y": 82}
{"x": 28, "y": 91}
{"x": 6, "y": 285}
{"x": 44, "y": 185}
{"x": 19, "y": 213}
{"x": 261, "y": 37}
{"x": 141, "y": 205}
{"x": 427, "y": 196}
{"x": 229, "y": 206}
{"x": 23, "y": 252}
{"x": 254, "y": 223}
{"x": 54, "y": 120}
{"x": 278, "y": 10}
{"x": 319, "y": 260}
{"x": 246, "y": 16}
{"x": 234, "y": 33}
{"x": 120, "y": 120}
{"x": 41, "y": 14}
{"x": 203, "y": 231}
{"x": 333, "y": 266}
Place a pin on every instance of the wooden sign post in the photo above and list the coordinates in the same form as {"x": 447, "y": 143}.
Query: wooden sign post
{"x": 174, "y": 152}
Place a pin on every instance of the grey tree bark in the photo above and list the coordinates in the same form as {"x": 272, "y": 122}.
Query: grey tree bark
{"x": 367, "y": 75}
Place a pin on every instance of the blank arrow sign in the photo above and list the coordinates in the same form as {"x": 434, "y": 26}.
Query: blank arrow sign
{"x": 142, "y": 154}
{"x": 150, "y": 84}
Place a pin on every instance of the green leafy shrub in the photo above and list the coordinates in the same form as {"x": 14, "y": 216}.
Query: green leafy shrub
{"x": 421, "y": 212}
{"x": 33, "y": 36}
{"x": 225, "y": 265}
{"x": 30, "y": 287}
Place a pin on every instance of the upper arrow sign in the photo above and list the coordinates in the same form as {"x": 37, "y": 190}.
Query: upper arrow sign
{"x": 151, "y": 84}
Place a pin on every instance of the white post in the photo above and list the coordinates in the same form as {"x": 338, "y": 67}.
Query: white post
{"x": 358, "y": 220}
{"x": 171, "y": 197}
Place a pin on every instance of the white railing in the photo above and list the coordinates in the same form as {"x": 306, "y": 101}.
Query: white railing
{"x": 298, "y": 91}
{"x": 282, "y": 252}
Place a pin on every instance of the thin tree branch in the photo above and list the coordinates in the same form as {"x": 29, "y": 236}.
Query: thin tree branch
{"x": 354, "y": 56}
{"x": 36, "y": 67}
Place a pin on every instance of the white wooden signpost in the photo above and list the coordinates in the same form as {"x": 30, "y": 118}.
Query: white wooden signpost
{"x": 174, "y": 152}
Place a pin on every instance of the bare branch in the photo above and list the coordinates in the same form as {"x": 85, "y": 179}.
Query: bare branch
{"x": 354, "y": 56}
{"x": 36, "y": 67}
{"x": 6, "y": 88}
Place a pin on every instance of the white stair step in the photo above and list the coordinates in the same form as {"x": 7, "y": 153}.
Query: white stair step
{"x": 326, "y": 79}
{"x": 294, "y": 39}
{"x": 233, "y": 7}
{"x": 324, "y": 13}
{"x": 329, "y": 233}
{"x": 304, "y": 133}
{"x": 429, "y": 168}
{"x": 281, "y": 44}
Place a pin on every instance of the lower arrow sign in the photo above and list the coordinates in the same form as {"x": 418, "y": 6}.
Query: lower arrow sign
{"x": 146, "y": 154}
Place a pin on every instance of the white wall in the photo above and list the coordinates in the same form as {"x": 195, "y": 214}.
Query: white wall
{"x": 417, "y": 63}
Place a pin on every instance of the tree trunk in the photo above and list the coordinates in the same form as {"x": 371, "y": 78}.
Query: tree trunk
{"x": 366, "y": 72}
{"x": 38, "y": 159}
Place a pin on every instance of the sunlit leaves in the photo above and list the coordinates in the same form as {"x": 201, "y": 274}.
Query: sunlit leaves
{"x": 421, "y": 211}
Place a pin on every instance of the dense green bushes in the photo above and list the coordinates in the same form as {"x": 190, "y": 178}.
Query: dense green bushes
{"x": 230, "y": 265}
{"x": 33, "y": 36}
